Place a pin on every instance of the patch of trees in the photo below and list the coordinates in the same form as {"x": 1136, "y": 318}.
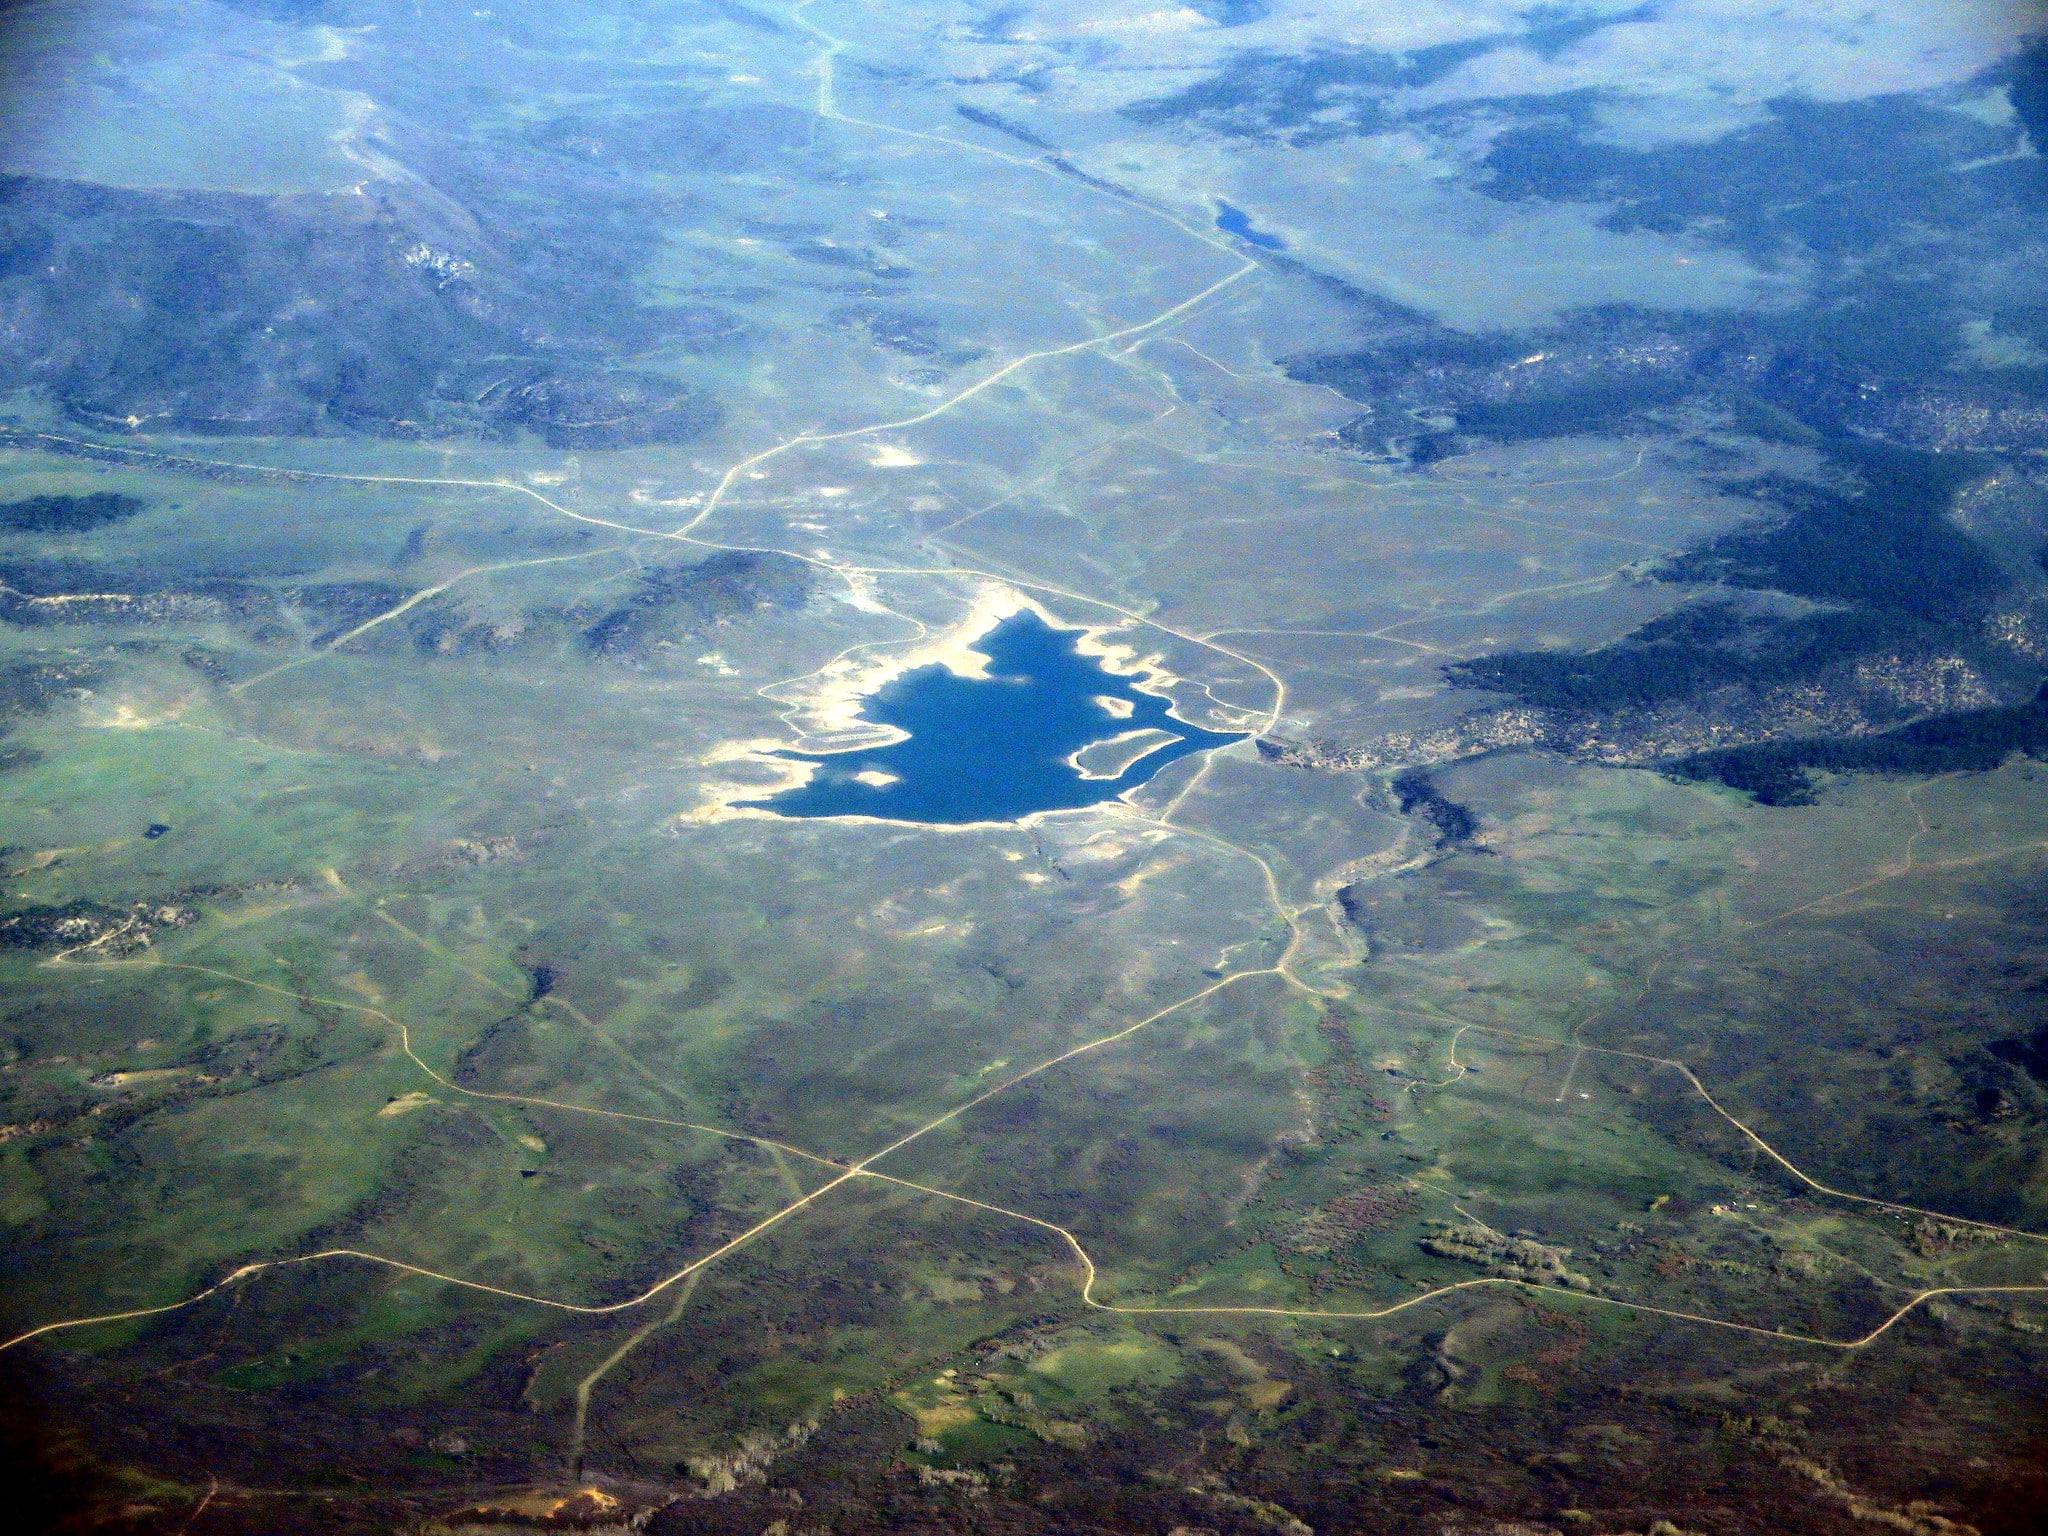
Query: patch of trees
{"x": 221, "y": 314}
{"x": 68, "y": 514}
{"x": 1779, "y": 772}
{"x": 2027, "y": 1052}
{"x": 79, "y": 923}
{"x": 693, "y": 130}
{"x": 1899, "y": 579}
{"x": 903, "y": 331}
{"x": 1888, "y": 546}
{"x": 606, "y": 408}
{"x": 675, "y": 600}
{"x": 1828, "y": 178}
{"x": 1002, "y": 125}
{"x": 1899, "y": 576}
{"x": 1696, "y": 649}
{"x": 1596, "y": 406}
{"x": 1262, "y": 93}
{"x": 1416, "y": 791}
{"x": 29, "y": 687}
{"x": 340, "y": 606}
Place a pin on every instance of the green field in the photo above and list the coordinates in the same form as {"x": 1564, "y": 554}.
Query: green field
{"x": 425, "y": 1096}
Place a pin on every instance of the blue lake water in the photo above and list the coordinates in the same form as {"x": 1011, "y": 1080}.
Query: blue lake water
{"x": 993, "y": 748}
{"x": 1235, "y": 221}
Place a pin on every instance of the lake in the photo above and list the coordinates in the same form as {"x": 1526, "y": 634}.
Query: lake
{"x": 1235, "y": 221}
{"x": 999, "y": 747}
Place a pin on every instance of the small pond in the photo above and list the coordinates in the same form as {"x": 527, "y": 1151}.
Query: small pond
{"x": 1235, "y": 221}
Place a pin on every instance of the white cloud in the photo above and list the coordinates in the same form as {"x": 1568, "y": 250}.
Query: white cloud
{"x": 1745, "y": 52}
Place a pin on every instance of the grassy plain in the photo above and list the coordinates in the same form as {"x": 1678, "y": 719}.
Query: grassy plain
{"x": 1112, "y": 1133}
